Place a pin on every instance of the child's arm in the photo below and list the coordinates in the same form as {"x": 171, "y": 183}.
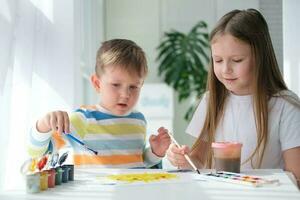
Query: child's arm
{"x": 176, "y": 156}
{"x": 41, "y": 133}
{"x": 54, "y": 121}
{"x": 160, "y": 143}
{"x": 158, "y": 147}
{"x": 292, "y": 162}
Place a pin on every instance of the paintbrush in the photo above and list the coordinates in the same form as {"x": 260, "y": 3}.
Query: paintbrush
{"x": 185, "y": 155}
{"x": 81, "y": 143}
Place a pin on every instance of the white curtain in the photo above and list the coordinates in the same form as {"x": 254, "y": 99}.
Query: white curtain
{"x": 38, "y": 67}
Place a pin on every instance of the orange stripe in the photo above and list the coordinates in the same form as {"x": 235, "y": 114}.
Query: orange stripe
{"x": 58, "y": 140}
{"x": 107, "y": 160}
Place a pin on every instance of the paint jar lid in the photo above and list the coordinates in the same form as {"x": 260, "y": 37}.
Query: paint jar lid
{"x": 59, "y": 169}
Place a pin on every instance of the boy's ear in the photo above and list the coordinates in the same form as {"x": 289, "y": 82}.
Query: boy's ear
{"x": 96, "y": 82}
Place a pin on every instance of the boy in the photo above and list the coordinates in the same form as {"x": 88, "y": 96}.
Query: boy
{"x": 111, "y": 128}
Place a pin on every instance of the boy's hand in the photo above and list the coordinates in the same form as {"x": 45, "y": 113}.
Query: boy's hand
{"x": 160, "y": 143}
{"x": 54, "y": 121}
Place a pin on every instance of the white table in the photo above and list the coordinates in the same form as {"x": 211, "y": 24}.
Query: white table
{"x": 84, "y": 188}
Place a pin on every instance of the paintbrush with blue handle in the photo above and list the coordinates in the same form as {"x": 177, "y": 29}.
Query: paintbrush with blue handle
{"x": 81, "y": 143}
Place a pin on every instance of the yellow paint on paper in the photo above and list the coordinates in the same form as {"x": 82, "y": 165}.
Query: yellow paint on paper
{"x": 144, "y": 177}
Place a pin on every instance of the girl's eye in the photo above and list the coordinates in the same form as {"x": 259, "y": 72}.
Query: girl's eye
{"x": 237, "y": 60}
{"x": 218, "y": 61}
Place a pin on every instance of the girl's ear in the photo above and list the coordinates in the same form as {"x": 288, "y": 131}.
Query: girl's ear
{"x": 95, "y": 82}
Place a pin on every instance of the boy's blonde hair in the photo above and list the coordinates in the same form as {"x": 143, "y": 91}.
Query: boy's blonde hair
{"x": 248, "y": 26}
{"x": 121, "y": 53}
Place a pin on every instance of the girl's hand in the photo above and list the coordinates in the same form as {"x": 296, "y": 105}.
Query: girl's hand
{"x": 160, "y": 143}
{"x": 54, "y": 121}
{"x": 291, "y": 159}
{"x": 176, "y": 157}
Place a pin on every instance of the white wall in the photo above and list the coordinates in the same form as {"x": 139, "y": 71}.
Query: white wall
{"x": 138, "y": 20}
{"x": 272, "y": 11}
{"x": 291, "y": 47}
{"x": 89, "y": 33}
{"x": 224, "y": 6}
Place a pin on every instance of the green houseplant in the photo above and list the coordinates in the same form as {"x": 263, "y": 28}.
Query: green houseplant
{"x": 182, "y": 62}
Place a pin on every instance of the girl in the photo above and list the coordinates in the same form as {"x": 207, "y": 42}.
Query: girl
{"x": 247, "y": 100}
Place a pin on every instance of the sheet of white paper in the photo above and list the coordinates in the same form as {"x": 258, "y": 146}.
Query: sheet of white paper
{"x": 144, "y": 178}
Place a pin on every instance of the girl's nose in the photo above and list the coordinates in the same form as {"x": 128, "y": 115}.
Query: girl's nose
{"x": 226, "y": 68}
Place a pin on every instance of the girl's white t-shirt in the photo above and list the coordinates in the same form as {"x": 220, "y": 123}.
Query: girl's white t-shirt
{"x": 238, "y": 124}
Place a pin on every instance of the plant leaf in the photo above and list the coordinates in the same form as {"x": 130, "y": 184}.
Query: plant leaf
{"x": 183, "y": 59}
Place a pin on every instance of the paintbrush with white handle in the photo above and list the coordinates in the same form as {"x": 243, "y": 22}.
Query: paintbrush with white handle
{"x": 185, "y": 155}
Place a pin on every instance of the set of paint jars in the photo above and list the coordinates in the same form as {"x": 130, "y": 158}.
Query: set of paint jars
{"x": 64, "y": 174}
{"x": 40, "y": 181}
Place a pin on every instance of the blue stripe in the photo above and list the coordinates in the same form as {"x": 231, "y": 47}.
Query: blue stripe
{"x": 101, "y": 116}
{"x": 115, "y": 144}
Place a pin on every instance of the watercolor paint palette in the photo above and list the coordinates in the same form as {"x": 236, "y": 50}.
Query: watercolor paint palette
{"x": 238, "y": 178}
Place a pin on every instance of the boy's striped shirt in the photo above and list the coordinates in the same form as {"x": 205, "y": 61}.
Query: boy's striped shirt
{"x": 119, "y": 140}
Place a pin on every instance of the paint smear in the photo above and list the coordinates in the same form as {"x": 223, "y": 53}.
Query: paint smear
{"x": 142, "y": 177}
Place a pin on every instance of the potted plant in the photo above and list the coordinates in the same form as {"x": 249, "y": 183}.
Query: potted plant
{"x": 182, "y": 62}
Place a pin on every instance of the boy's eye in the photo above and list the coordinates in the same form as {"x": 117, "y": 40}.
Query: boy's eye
{"x": 133, "y": 87}
{"x": 115, "y": 84}
{"x": 218, "y": 61}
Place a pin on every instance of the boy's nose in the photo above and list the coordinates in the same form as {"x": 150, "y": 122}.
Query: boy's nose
{"x": 125, "y": 92}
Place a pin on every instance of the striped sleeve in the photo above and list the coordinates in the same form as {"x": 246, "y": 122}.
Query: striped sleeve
{"x": 41, "y": 143}
{"x": 150, "y": 158}
{"x": 38, "y": 143}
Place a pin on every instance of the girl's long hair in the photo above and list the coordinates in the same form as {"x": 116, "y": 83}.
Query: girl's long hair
{"x": 248, "y": 26}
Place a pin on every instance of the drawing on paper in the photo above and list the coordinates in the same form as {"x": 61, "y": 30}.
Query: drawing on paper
{"x": 142, "y": 177}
